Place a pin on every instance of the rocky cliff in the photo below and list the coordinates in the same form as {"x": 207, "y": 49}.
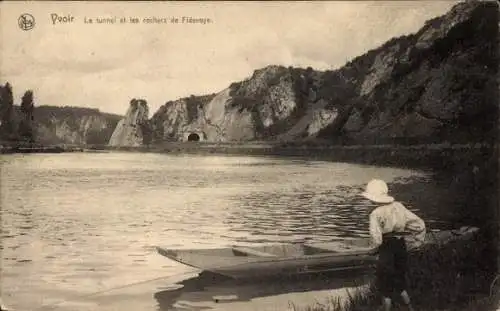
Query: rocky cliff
{"x": 72, "y": 125}
{"x": 438, "y": 84}
{"x": 177, "y": 119}
{"x": 132, "y": 130}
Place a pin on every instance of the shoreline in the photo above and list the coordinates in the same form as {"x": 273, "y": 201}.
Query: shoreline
{"x": 441, "y": 157}
{"x": 38, "y": 149}
{"x": 423, "y": 156}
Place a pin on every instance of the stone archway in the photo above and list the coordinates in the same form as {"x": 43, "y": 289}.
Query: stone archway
{"x": 193, "y": 137}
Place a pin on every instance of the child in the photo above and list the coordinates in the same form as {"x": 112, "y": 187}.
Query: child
{"x": 393, "y": 229}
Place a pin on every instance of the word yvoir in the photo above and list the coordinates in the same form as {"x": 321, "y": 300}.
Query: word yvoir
{"x": 61, "y": 19}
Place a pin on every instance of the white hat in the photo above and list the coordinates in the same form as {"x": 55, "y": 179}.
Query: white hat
{"x": 377, "y": 191}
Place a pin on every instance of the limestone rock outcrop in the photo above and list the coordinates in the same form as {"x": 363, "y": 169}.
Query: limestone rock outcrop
{"x": 436, "y": 85}
{"x": 132, "y": 130}
{"x": 175, "y": 120}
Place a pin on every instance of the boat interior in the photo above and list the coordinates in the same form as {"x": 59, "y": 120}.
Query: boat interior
{"x": 276, "y": 250}
{"x": 286, "y": 250}
{"x": 341, "y": 248}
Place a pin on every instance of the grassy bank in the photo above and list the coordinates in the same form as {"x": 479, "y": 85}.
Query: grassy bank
{"x": 449, "y": 277}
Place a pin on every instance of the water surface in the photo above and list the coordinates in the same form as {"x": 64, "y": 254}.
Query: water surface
{"x": 79, "y": 223}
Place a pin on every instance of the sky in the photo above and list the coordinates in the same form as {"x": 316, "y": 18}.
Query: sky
{"x": 104, "y": 66}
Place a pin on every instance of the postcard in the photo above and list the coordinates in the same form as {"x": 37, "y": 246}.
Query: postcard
{"x": 226, "y": 155}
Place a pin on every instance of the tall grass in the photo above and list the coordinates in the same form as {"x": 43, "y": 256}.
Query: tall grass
{"x": 359, "y": 300}
{"x": 440, "y": 277}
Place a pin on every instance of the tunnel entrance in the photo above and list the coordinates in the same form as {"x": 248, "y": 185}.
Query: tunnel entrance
{"x": 193, "y": 137}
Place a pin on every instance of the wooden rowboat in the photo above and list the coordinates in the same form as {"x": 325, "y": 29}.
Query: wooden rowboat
{"x": 295, "y": 258}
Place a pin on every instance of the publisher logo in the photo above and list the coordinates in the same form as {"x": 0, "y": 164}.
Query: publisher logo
{"x": 26, "y": 21}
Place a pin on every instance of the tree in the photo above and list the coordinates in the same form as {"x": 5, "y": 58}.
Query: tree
{"x": 27, "y": 119}
{"x": 10, "y": 129}
{"x": 7, "y": 126}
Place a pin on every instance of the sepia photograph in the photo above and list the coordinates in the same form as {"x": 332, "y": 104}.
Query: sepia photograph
{"x": 249, "y": 155}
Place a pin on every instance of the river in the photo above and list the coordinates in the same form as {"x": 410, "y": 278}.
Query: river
{"x": 78, "y": 224}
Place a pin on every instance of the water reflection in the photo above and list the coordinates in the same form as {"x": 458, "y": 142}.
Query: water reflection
{"x": 207, "y": 290}
{"x": 327, "y": 215}
{"x": 430, "y": 197}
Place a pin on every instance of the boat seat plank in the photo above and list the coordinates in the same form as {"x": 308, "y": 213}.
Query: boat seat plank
{"x": 254, "y": 252}
{"x": 336, "y": 249}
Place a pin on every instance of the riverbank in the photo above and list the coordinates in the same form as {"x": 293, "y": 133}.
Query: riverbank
{"x": 463, "y": 285}
{"x": 426, "y": 156}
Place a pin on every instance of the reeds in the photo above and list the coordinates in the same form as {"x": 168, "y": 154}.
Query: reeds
{"x": 359, "y": 300}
